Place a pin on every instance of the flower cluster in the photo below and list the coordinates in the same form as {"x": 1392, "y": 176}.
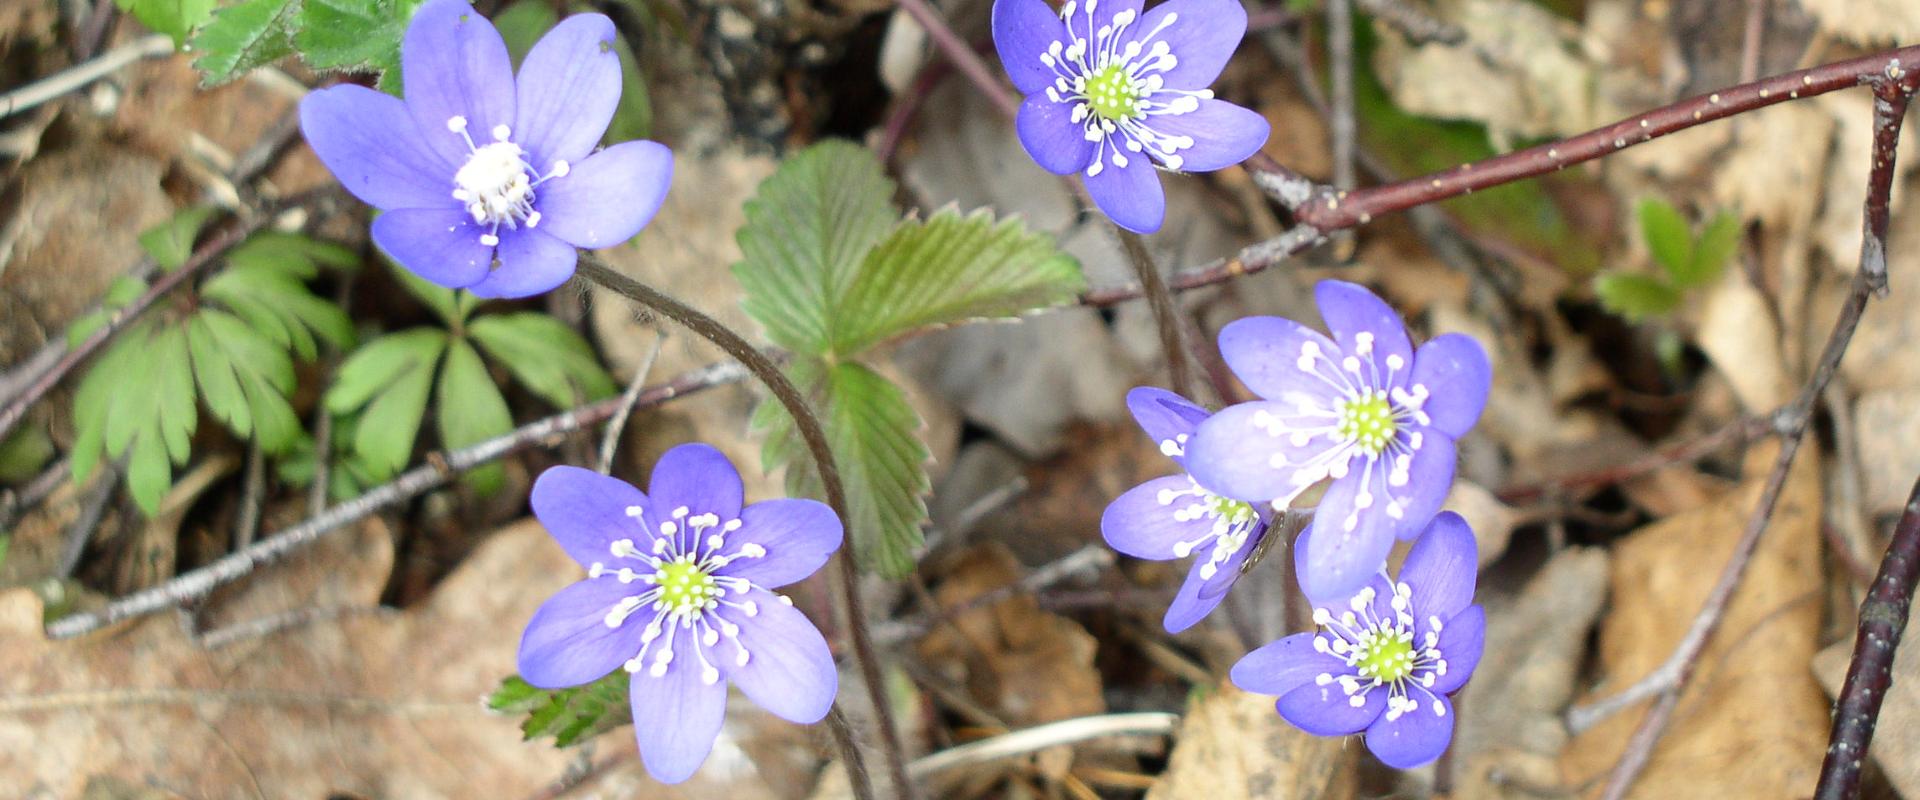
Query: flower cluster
{"x": 1113, "y": 92}
{"x": 1373, "y": 420}
{"x": 678, "y": 594}
{"x": 488, "y": 182}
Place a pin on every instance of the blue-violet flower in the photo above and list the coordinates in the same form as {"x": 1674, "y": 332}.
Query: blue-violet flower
{"x": 1113, "y": 92}
{"x": 1363, "y": 408}
{"x": 489, "y": 182}
{"x": 1173, "y": 517}
{"x": 1384, "y": 661}
{"x": 677, "y": 593}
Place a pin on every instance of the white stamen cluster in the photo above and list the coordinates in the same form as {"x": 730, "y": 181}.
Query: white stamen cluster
{"x": 496, "y": 184}
{"x": 1383, "y": 652}
{"x": 682, "y": 588}
{"x": 1232, "y": 521}
{"x": 1117, "y": 90}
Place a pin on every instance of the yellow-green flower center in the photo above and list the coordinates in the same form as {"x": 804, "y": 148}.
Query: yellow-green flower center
{"x": 684, "y": 587}
{"x": 1386, "y": 656}
{"x": 1368, "y": 421}
{"x": 1112, "y": 95}
{"x": 1233, "y": 511}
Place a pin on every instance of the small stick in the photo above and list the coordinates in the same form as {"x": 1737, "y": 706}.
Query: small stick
{"x": 1883, "y": 618}
{"x": 92, "y": 508}
{"x": 76, "y": 77}
{"x": 611, "y": 439}
{"x": 15, "y": 503}
{"x": 961, "y": 56}
{"x": 1739, "y": 431}
{"x": 252, "y": 493}
{"x": 1165, "y": 311}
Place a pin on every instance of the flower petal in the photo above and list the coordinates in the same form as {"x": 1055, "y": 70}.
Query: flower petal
{"x": 1326, "y": 710}
{"x": 1223, "y": 135}
{"x": 1022, "y": 30}
{"x": 1280, "y": 667}
{"x": 1131, "y": 196}
{"x": 1190, "y": 604}
{"x": 1442, "y": 568}
{"x": 608, "y": 197}
{"x": 568, "y": 643}
{"x": 531, "y": 262}
{"x": 369, "y": 142}
{"x": 1216, "y": 587}
{"x": 586, "y": 512}
{"x": 789, "y": 670}
{"x": 1349, "y": 544}
{"x": 1202, "y": 37}
{"x": 1057, "y": 143}
{"x": 797, "y": 535}
{"x": 1168, "y": 418}
{"x": 456, "y": 65}
{"x": 1236, "y": 454}
{"x": 568, "y": 88}
{"x": 1461, "y": 642}
{"x": 1349, "y": 310}
{"x": 695, "y": 477}
{"x": 1139, "y": 524}
{"x": 1264, "y": 353}
{"x": 1415, "y": 737}
{"x": 676, "y": 715}
{"x": 441, "y": 245}
{"x": 1455, "y": 370}
{"x": 1429, "y": 477}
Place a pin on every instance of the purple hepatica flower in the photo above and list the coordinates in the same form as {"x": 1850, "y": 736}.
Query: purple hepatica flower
{"x": 1387, "y": 661}
{"x": 677, "y": 593}
{"x": 1363, "y": 408}
{"x": 488, "y": 182}
{"x": 1173, "y": 517}
{"x": 1112, "y": 92}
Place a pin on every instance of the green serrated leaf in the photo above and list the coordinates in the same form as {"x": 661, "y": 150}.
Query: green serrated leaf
{"x": 175, "y": 18}
{"x": 1716, "y": 247}
{"x": 470, "y": 410}
{"x": 133, "y": 404}
{"x": 545, "y": 356}
{"x": 355, "y": 35}
{"x": 171, "y": 242}
{"x": 808, "y": 227}
{"x": 240, "y": 37}
{"x": 1668, "y": 236}
{"x": 1635, "y": 297}
{"x": 390, "y": 378}
{"x": 950, "y": 269}
{"x": 245, "y": 378}
{"x": 874, "y": 433}
{"x": 269, "y": 293}
{"x": 570, "y": 716}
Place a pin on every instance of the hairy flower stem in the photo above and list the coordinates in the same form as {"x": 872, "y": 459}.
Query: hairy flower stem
{"x": 1165, "y": 312}
{"x": 815, "y": 435}
{"x": 1883, "y": 618}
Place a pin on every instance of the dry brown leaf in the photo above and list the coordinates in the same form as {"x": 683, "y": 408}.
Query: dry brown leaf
{"x": 1752, "y": 722}
{"x": 1536, "y": 641}
{"x": 385, "y": 706}
{"x": 1881, "y": 355}
{"x": 1784, "y": 145}
{"x": 1000, "y": 651}
{"x": 1520, "y": 71}
{"x": 1737, "y": 331}
{"x": 1233, "y": 744}
{"x": 1867, "y": 21}
{"x": 1889, "y": 448}
{"x": 1896, "y": 738}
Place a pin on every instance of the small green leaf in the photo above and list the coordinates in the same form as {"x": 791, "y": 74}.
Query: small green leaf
{"x": 378, "y": 363}
{"x": 123, "y": 290}
{"x": 570, "y": 716}
{"x": 245, "y": 378}
{"x": 451, "y": 305}
{"x": 171, "y": 242}
{"x": 84, "y": 326}
{"x": 175, "y": 18}
{"x": 1668, "y": 236}
{"x": 633, "y": 117}
{"x": 522, "y": 24}
{"x": 470, "y": 410}
{"x": 1717, "y": 246}
{"x": 390, "y": 378}
{"x": 808, "y": 228}
{"x": 949, "y": 269}
{"x": 240, "y": 37}
{"x": 24, "y": 452}
{"x": 265, "y": 286}
{"x": 1634, "y": 296}
{"x": 874, "y": 434}
{"x": 298, "y": 256}
{"x": 135, "y": 404}
{"x": 355, "y": 35}
{"x": 545, "y": 355}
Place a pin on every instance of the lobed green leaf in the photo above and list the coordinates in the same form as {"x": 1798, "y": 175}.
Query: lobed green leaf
{"x": 170, "y": 243}
{"x": 570, "y": 716}
{"x": 387, "y": 380}
{"x": 1716, "y": 247}
{"x": 1668, "y": 236}
{"x": 470, "y": 410}
{"x": 544, "y": 355}
{"x": 240, "y": 37}
{"x": 175, "y": 18}
{"x": 1634, "y": 296}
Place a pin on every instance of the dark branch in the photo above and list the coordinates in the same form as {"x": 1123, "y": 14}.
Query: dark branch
{"x": 1883, "y": 618}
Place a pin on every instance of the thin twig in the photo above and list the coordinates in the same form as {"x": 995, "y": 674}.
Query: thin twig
{"x": 1165, "y": 311}
{"x": 252, "y": 494}
{"x": 92, "y": 508}
{"x": 439, "y": 469}
{"x": 1892, "y": 92}
{"x": 961, "y": 56}
{"x": 610, "y": 440}
{"x": 768, "y": 373}
{"x": 1883, "y": 619}
{"x": 14, "y": 503}
{"x": 78, "y": 76}
{"x": 1041, "y": 737}
{"x": 1739, "y": 431}
{"x": 847, "y": 742}
{"x": 1341, "y": 126}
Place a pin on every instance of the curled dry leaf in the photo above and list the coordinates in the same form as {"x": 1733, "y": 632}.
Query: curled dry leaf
{"x": 1233, "y": 744}
{"x": 1751, "y": 723}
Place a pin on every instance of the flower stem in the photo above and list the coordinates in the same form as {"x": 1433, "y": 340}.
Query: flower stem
{"x": 1165, "y": 313}
{"x": 815, "y": 435}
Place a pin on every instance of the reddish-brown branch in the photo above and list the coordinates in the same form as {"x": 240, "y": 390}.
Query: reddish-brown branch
{"x": 1883, "y": 618}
